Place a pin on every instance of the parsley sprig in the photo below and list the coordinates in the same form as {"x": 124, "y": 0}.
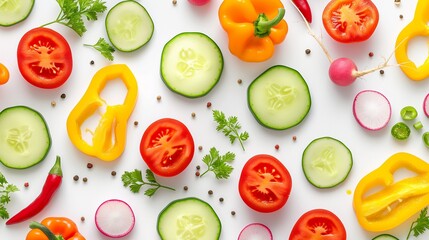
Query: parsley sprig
{"x": 135, "y": 181}
{"x": 420, "y": 225}
{"x": 72, "y": 12}
{"x": 218, "y": 164}
{"x": 5, "y": 190}
{"x": 230, "y": 127}
{"x": 104, "y": 48}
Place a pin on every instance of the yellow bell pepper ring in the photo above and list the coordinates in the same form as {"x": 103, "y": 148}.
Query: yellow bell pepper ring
{"x": 254, "y": 27}
{"x": 417, "y": 27}
{"x": 382, "y": 203}
{"x": 109, "y": 137}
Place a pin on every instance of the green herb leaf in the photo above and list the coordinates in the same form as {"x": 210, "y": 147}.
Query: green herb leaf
{"x": 104, "y": 48}
{"x": 5, "y": 190}
{"x": 218, "y": 164}
{"x": 72, "y": 12}
{"x": 134, "y": 180}
{"x": 419, "y": 226}
{"x": 229, "y": 127}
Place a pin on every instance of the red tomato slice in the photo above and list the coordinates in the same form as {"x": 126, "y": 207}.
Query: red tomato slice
{"x": 44, "y": 58}
{"x": 265, "y": 183}
{"x": 318, "y": 224}
{"x": 167, "y": 147}
{"x": 350, "y": 20}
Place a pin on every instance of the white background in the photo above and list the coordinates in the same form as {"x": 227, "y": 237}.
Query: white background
{"x": 330, "y": 115}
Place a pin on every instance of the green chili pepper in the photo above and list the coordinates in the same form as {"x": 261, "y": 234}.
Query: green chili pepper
{"x": 425, "y": 138}
{"x": 409, "y": 113}
{"x": 400, "y": 131}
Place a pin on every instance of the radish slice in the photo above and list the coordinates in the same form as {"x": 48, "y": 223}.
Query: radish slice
{"x": 372, "y": 110}
{"x": 255, "y": 231}
{"x": 426, "y": 105}
{"x": 114, "y": 218}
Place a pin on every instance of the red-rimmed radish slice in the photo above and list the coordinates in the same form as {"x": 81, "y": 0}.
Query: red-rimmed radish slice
{"x": 371, "y": 109}
{"x": 255, "y": 231}
{"x": 114, "y": 218}
{"x": 426, "y": 105}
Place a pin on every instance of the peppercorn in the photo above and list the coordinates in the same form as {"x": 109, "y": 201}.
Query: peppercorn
{"x": 381, "y": 71}
{"x": 82, "y": 219}
{"x": 198, "y": 167}
{"x": 92, "y": 62}
{"x": 174, "y": 2}
{"x": 200, "y": 148}
{"x": 233, "y": 213}
{"x": 89, "y": 165}
{"x": 75, "y": 177}
{"x": 197, "y": 174}
{"x": 85, "y": 179}
{"x": 294, "y": 138}
{"x": 136, "y": 123}
{"x": 63, "y": 95}
{"x": 210, "y": 192}
{"x": 401, "y": 16}
{"x": 26, "y": 184}
{"x": 239, "y": 81}
{"x": 307, "y": 51}
{"x": 185, "y": 188}
{"x": 277, "y": 147}
{"x": 113, "y": 173}
{"x": 371, "y": 54}
{"x": 158, "y": 98}
{"x": 193, "y": 115}
{"x": 221, "y": 199}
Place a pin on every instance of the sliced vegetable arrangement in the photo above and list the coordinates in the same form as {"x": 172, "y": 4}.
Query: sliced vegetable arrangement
{"x": 191, "y": 63}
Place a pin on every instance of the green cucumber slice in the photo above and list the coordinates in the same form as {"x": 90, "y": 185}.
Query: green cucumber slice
{"x": 191, "y": 64}
{"x": 188, "y": 218}
{"x": 279, "y": 98}
{"x": 129, "y": 26}
{"x": 385, "y": 237}
{"x": 24, "y": 137}
{"x": 326, "y": 162}
{"x": 14, "y": 11}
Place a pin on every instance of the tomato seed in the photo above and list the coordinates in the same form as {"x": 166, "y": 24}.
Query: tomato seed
{"x": 193, "y": 115}
{"x": 158, "y": 98}
{"x": 53, "y": 103}
{"x": 174, "y": 2}
{"x": 209, "y": 104}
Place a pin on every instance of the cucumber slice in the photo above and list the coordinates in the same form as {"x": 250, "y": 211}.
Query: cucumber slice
{"x": 326, "y": 162}
{"x": 279, "y": 98}
{"x": 24, "y": 137}
{"x": 191, "y": 64}
{"x": 14, "y": 11}
{"x": 385, "y": 237}
{"x": 129, "y": 26}
{"x": 188, "y": 218}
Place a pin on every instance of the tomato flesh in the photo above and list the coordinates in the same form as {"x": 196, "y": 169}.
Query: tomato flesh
{"x": 44, "y": 58}
{"x": 350, "y": 20}
{"x": 167, "y": 147}
{"x": 265, "y": 183}
{"x": 318, "y": 224}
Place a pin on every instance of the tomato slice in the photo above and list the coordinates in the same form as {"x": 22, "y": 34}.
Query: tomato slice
{"x": 265, "y": 183}
{"x": 167, "y": 147}
{"x": 350, "y": 20}
{"x": 318, "y": 224}
{"x": 44, "y": 58}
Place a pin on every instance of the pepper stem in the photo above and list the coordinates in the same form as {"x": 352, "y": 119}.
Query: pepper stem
{"x": 263, "y": 25}
{"x": 56, "y": 169}
{"x": 48, "y": 233}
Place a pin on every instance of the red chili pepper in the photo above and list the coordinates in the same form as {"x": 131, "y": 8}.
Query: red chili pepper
{"x": 52, "y": 182}
{"x": 304, "y": 8}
